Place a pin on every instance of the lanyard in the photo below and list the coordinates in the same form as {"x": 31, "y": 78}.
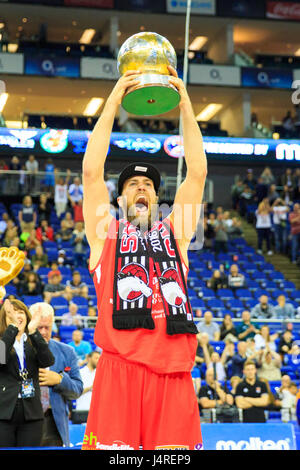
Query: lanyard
{"x": 23, "y": 372}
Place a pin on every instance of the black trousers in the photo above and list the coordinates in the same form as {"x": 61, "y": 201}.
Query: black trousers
{"x": 17, "y": 432}
{"x": 51, "y": 436}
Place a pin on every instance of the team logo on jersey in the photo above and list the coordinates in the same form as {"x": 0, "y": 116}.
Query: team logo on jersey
{"x": 171, "y": 289}
{"x": 133, "y": 282}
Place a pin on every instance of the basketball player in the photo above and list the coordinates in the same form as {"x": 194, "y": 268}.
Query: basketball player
{"x": 143, "y": 394}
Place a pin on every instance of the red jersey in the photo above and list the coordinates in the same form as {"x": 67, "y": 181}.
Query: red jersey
{"x": 155, "y": 349}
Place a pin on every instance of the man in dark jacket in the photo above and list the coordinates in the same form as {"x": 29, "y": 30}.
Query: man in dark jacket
{"x": 62, "y": 382}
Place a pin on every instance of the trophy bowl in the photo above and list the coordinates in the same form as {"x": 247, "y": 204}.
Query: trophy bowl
{"x": 150, "y": 53}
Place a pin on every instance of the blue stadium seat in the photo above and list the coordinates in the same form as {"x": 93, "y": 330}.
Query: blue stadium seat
{"x": 11, "y": 289}
{"x": 59, "y": 302}
{"x": 243, "y": 294}
{"x": 65, "y": 332}
{"x": 276, "y": 276}
{"x": 215, "y": 304}
{"x": 88, "y": 334}
{"x": 206, "y": 294}
{"x": 234, "y": 304}
{"x": 225, "y": 294}
{"x": 218, "y": 346}
{"x": 80, "y": 300}
{"x": 32, "y": 299}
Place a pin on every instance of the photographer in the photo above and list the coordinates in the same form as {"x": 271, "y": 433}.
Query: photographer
{"x": 280, "y": 210}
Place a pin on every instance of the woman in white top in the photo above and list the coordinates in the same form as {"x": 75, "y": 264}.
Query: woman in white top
{"x": 264, "y": 339}
{"x": 263, "y": 225}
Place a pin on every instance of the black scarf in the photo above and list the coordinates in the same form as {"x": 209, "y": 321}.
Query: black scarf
{"x": 138, "y": 259}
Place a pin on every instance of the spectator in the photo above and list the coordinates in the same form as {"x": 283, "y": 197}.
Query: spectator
{"x": 3, "y": 223}
{"x": 283, "y": 310}
{"x": 236, "y": 280}
{"x": 87, "y": 376}
{"x": 250, "y": 181}
{"x": 44, "y": 232}
{"x": 15, "y": 166}
{"x": 238, "y": 359}
{"x": 286, "y": 196}
{"x": 234, "y": 381}
{"x": 61, "y": 193}
{"x": 72, "y": 317}
{"x": 82, "y": 348}
{"x": 227, "y": 355}
{"x": 235, "y": 230}
{"x": 196, "y": 376}
{"x": 77, "y": 287}
{"x": 27, "y": 215}
{"x": 68, "y": 219}
{"x": 212, "y": 394}
{"x": 269, "y": 364}
{"x": 39, "y": 258}
{"x": 210, "y": 327}
{"x": 77, "y": 211}
{"x": 80, "y": 244}
{"x": 285, "y": 343}
{"x": 92, "y": 317}
{"x": 252, "y": 395}
{"x": 228, "y": 330}
{"x": 263, "y": 225}
{"x": 203, "y": 342}
{"x": 32, "y": 167}
{"x": 215, "y": 362}
{"x": 285, "y": 383}
{"x": 261, "y": 190}
{"x": 65, "y": 233}
{"x": 280, "y": 211}
{"x": 263, "y": 309}
{"x": 209, "y": 233}
{"x": 273, "y": 195}
{"x": 44, "y": 208}
{"x": 21, "y": 413}
{"x": 287, "y": 180}
{"x": 59, "y": 384}
{"x": 236, "y": 190}
{"x": 76, "y": 191}
{"x": 221, "y": 237}
{"x": 288, "y": 403}
{"x": 54, "y": 288}
{"x": 32, "y": 286}
{"x": 247, "y": 329}
{"x": 263, "y": 339}
{"x": 267, "y": 176}
{"x": 294, "y": 218}
{"x": 216, "y": 282}
{"x": 246, "y": 199}
{"x": 50, "y": 176}
{"x": 288, "y": 125}
{"x": 32, "y": 242}
{"x": 10, "y": 233}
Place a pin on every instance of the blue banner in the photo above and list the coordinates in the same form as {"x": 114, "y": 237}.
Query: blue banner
{"x": 246, "y": 436}
{"x": 64, "y": 142}
{"x": 52, "y": 66}
{"x": 267, "y": 78}
{"x": 233, "y": 436}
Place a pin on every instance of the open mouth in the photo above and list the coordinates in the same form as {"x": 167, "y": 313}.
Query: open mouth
{"x": 141, "y": 204}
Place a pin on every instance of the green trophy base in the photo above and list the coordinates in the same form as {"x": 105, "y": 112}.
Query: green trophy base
{"x": 154, "y": 95}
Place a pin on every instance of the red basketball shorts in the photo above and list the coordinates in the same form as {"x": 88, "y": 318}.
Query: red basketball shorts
{"x": 133, "y": 407}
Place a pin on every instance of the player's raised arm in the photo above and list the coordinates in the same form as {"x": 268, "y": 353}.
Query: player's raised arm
{"x": 96, "y": 197}
{"x": 188, "y": 199}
